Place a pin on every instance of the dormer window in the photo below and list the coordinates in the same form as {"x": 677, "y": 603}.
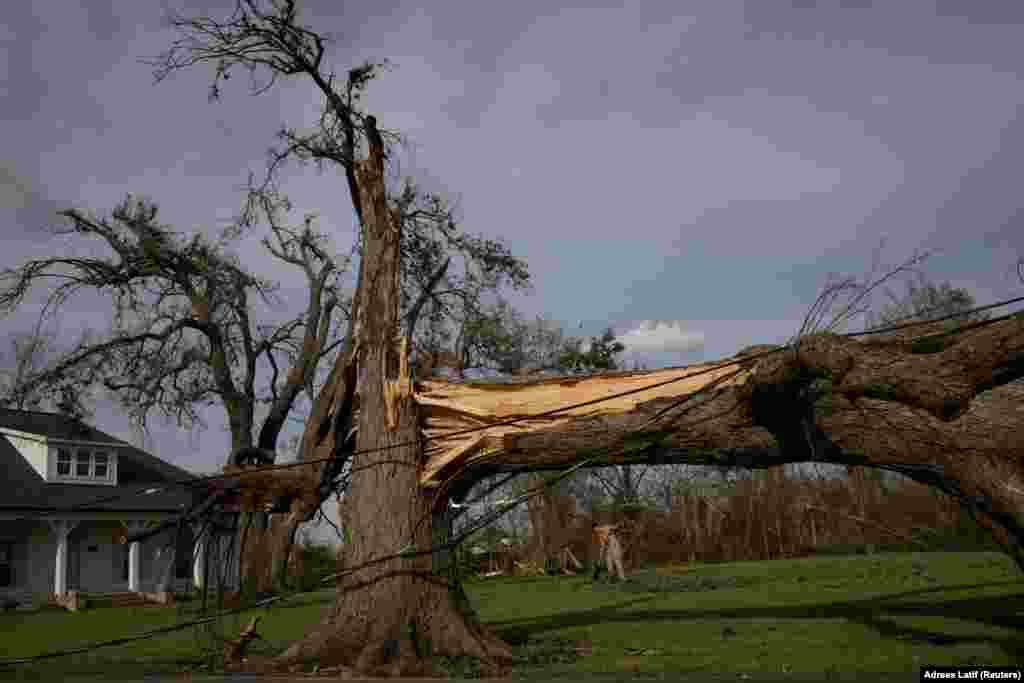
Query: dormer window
{"x": 83, "y": 464}
{"x": 100, "y": 465}
{"x": 63, "y": 463}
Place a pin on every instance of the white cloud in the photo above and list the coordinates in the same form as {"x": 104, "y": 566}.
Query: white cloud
{"x": 661, "y": 336}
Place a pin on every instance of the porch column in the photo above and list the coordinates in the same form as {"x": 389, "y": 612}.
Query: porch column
{"x": 61, "y": 528}
{"x": 134, "y": 551}
{"x": 199, "y": 555}
{"x": 168, "y": 554}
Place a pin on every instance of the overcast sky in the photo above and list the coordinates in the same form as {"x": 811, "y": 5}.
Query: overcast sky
{"x": 688, "y": 173}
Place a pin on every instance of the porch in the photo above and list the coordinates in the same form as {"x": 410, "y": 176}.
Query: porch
{"x": 50, "y": 560}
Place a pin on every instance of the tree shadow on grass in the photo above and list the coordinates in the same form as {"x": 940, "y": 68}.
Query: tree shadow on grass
{"x": 877, "y": 612}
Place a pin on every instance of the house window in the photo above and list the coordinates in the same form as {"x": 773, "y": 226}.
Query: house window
{"x": 6, "y": 564}
{"x": 84, "y": 463}
{"x": 100, "y": 470}
{"x": 82, "y": 459}
{"x": 63, "y": 462}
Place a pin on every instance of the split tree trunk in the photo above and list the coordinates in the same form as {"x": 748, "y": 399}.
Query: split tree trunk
{"x": 390, "y": 615}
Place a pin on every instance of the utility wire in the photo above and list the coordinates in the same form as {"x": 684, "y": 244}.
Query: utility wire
{"x": 481, "y": 522}
{"x": 456, "y": 540}
{"x": 139, "y": 636}
{"x": 198, "y": 481}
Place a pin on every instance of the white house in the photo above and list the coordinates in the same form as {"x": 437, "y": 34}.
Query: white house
{"x": 69, "y": 496}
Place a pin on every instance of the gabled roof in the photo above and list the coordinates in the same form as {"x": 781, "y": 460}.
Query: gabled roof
{"x": 22, "y": 487}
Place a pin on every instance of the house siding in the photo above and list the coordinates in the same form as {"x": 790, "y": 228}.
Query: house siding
{"x": 14, "y": 534}
{"x": 91, "y": 553}
{"x": 35, "y": 452}
{"x": 42, "y": 557}
{"x": 34, "y": 556}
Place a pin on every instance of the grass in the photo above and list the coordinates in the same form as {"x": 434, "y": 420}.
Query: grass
{"x": 25, "y": 635}
{"x": 832, "y": 616}
{"x": 882, "y": 613}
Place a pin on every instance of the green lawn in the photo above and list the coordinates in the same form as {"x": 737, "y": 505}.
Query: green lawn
{"x": 769, "y": 620}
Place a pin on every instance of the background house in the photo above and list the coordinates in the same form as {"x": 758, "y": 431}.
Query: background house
{"x": 69, "y": 497}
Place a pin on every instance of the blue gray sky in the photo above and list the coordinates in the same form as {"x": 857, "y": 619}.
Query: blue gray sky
{"x": 689, "y": 173}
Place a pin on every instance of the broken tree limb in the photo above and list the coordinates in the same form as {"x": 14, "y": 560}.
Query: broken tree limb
{"x": 234, "y": 650}
{"x": 945, "y": 414}
{"x": 198, "y": 510}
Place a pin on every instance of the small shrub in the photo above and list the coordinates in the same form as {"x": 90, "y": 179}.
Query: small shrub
{"x": 316, "y": 562}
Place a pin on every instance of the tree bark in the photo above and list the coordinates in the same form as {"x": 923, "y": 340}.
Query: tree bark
{"x": 389, "y": 615}
{"x": 942, "y": 408}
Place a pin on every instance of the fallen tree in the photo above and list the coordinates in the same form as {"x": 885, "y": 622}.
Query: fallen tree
{"x": 943, "y": 408}
{"x": 939, "y": 409}
{"x": 940, "y": 406}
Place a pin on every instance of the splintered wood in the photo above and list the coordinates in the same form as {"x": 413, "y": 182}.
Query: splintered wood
{"x": 448, "y": 407}
{"x": 395, "y": 390}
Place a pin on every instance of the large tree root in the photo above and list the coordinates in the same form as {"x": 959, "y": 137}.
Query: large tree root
{"x": 403, "y": 642}
{"x": 455, "y": 631}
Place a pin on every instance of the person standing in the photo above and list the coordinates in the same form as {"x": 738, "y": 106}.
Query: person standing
{"x": 609, "y": 550}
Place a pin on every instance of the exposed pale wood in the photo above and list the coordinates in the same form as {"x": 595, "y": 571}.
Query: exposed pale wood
{"x": 450, "y": 407}
{"x": 395, "y": 390}
{"x": 434, "y": 465}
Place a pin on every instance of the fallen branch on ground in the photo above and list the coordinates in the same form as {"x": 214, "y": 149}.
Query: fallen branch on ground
{"x": 234, "y": 650}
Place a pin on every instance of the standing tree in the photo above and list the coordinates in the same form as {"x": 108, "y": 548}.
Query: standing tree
{"x": 545, "y": 339}
{"x": 495, "y": 335}
{"x": 430, "y": 239}
{"x": 492, "y": 335}
{"x": 925, "y": 300}
{"x": 600, "y": 355}
{"x": 27, "y": 356}
{"x": 435, "y": 296}
{"x": 390, "y": 604}
{"x": 185, "y": 330}
{"x": 188, "y": 330}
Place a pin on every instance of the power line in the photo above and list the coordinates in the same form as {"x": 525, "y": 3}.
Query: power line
{"x": 555, "y": 411}
{"x": 484, "y": 520}
{"x": 266, "y": 468}
{"x": 139, "y": 636}
{"x": 406, "y": 552}
{"x": 198, "y": 481}
{"x": 480, "y": 523}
